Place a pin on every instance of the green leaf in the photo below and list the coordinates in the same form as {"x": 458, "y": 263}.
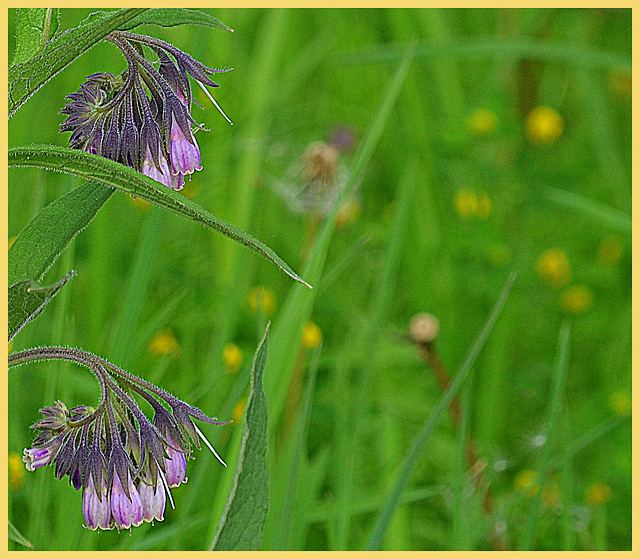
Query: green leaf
{"x": 169, "y": 17}
{"x": 242, "y": 522}
{"x": 27, "y": 299}
{"x": 34, "y": 28}
{"x": 50, "y": 232}
{"x": 26, "y": 77}
{"x": 17, "y": 537}
{"x": 95, "y": 167}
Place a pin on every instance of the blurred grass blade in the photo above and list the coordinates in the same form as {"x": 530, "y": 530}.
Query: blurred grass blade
{"x": 286, "y": 488}
{"x": 242, "y": 522}
{"x": 17, "y": 537}
{"x": 170, "y": 17}
{"x": 297, "y": 307}
{"x": 27, "y": 299}
{"x": 606, "y": 215}
{"x": 47, "y": 235}
{"x": 375, "y": 541}
{"x": 27, "y": 77}
{"x": 34, "y": 28}
{"x": 575, "y": 55}
{"x": 110, "y": 173}
{"x": 367, "y": 352}
{"x": 552, "y": 427}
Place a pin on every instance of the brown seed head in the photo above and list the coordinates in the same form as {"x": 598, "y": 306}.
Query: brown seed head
{"x": 424, "y": 328}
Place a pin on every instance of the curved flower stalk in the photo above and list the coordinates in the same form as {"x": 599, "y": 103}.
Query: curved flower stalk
{"x": 142, "y": 117}
{"x": 124, "y": 463}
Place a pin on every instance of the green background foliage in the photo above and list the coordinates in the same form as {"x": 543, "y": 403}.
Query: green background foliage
{"x": 449, "y": 207}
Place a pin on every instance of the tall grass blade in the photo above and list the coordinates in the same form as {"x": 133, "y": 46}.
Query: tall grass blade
{"x": 555, "y": 405}
{"x": 600, "y": 212}
{"x": 375, "y": 540}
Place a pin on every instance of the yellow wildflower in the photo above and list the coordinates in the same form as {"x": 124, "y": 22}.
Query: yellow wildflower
{"x": 597, "y": 494}
{"x": 544, "y": 125}
{"x": 348, "y": 213}
{"x": 232, "y": 357}
{"x": 526, "y": 482}
{"x": 466, "y": 203}
{"x": 140, "y": 203}
{"x": 238, "y": 410}
{"x": 576, "y": 299}
{"x": 610, "y": 250}
{"x": 163, "y": 343}
{"x": 16, "y": 470}
{"x": 262, "y": 298}
{"x": 620, "y": 403}
{"x": 12, "y": 240}
{"x": 484, "y": 205}
{"x": 311, "y": 335}
{"x": 483, "y": 122}
{"x": 553, "y": 267}
{"x": 10, "y": 346}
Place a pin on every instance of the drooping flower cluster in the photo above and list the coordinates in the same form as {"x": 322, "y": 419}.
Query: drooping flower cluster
{"x": 142, "y": 117}
{"x": 124, "y": 463}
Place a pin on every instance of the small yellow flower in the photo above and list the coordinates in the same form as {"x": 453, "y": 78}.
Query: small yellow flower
{"x": 576, "y": 299}
{"x": 311, "y": 335}
{"x": 466, "y": 203}
{"x": 597, "y": 494}
{"x": 16, "y": 470}
{"x": 232, "y": 357}
{"x": 238, "y": 410}
{"x": 484, "y": 205}
{"x": 553, "y": 267}
{"x": 544, "y": 125}
{"x": 526, "y": 482}
{"x": 348, "y": 213}
{"x": 483, "y": 122}
{"x": 610, "y": 250}
{"x": 620, "y": 403}
{"x": 10, "y": 346}
{"x": 164, "y": 343}
{"x": 262, "y": 298}
{"x": 140, "y": 203}
{"x": 12, "y": 240}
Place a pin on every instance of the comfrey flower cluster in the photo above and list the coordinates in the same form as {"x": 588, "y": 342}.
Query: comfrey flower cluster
{"x": 142, "y": 117}
{"x": 124, "y": 463}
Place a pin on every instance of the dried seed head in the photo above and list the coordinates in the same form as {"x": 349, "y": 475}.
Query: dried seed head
{"x": 424, "y": 328}
{"x": 320, "y": 162}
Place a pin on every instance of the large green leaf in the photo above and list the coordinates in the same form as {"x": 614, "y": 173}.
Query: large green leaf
{"x": 242, "y": 522}
{"x": 95, "y": 167}
{"x": 169, "y": 17}
{"x": 25, "y": 78}
{"x": 27, "y": 299}
{"x": 34, "y": 28}
{"x": 48, "y": 233}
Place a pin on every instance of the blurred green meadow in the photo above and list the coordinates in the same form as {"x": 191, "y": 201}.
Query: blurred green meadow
{"x": 508, "y": 149}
